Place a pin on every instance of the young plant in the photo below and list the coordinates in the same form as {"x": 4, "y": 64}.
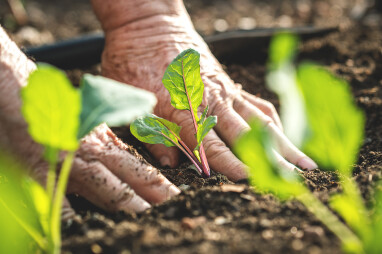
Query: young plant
{"x": 331, "y": 132}
{"x": 59, "y": 115}
{"x": 183, "y": 82}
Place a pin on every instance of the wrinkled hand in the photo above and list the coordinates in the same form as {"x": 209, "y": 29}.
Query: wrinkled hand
{"x": 104, "y": 170}
{"x": 141, "y": 41}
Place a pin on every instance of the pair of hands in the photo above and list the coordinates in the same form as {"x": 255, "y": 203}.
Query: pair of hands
{"x": 141, "y": 41}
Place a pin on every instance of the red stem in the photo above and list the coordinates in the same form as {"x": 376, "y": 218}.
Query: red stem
{"x": 191, "y": 156}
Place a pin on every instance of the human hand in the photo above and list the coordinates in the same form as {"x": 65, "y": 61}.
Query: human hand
{"x": 141, "y": 41}
{"x": 104, "y": 171}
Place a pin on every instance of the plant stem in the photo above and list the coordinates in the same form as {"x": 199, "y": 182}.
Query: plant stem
{"x": 57, "y": 203}
{"x": 184, "y": 148}
{"x": 189, "y": 151}
{"x": 51, "y": 178}
{"x": 192, "y": 158}
{"x": 205, "y": 167}
{"x": 349, "y": 240}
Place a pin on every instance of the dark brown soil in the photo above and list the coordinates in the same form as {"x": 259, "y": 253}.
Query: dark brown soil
{"x": 209, "y": 216}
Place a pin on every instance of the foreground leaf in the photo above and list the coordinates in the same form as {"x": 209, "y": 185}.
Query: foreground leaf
{"x": 183, "y": 82}
{"x": 282, "y": 49}
{"x": 150, "y": 129}
{"x": 51, "y": 106}
{"x": 20, "y": 220}
{"x": 335, "y": 122}
{"x": 254, "y": 149}
{"x": 374, "y": 244}
{"x": 281, "y": 79}
{"x": 349, "y": 205}
{"x": 106, "y": 100}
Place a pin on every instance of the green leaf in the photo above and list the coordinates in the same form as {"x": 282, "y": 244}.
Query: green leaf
{"x": 282, "y": 49}
{"x": 106, "y": 100}
{"x": 281, "y": 79}
{"x": 182, "y": 80}
{"x": 173, "y": 127}
{"x": 20, "y": 224}
{"x": 40, "y": 201}
{"x": 349, "y": 205}
{"x": 374, "y": 245}
{"x": 254, "y": 149}
{"x": 204, "y": 128}
{"x": 336, "y": 124}
{"x": 150, "y": 129}
{"x": 51, "y": 106}
{"x": 203, "y": 116}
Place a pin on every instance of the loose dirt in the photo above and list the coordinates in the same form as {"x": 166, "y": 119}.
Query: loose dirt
{"x": 210, "y": 216}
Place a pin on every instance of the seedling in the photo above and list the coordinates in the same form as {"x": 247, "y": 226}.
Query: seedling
{"x": 58, "y": 115}
{"x": 331, "y": 132}
{"x": 182, "y": 80}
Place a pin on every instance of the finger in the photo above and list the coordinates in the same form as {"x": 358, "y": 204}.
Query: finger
{"x": 284, "y": 146}
{"x": 146, "y": 180}
{"x": 167, "y": 156}
{"x": 230, "y": 124}
{"x": 265, "y": 106}
{"x": 282, "y": 163}
{"x": 93, "y": 181}
{"x": 219, "y": 156}
{"x": 67, "y": 211}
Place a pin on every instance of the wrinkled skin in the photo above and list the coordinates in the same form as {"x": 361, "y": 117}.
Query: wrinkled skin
{"x": 141, "y": 41}
{"x": 142, "y": 38}
{"x": 104, "y": 171}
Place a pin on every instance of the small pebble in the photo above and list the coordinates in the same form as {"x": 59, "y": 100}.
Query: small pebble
{"x": 285, "y": 21}
{"x": 191, "y": 223}
{"x": 267, "y": 234}
{"x": 220, "y": 220}
{"x": 265, "y": 223}
{"x": 184, "y": 187}
{"x": 247, "y": 23}
{"x": 96, "y": 249}
{"x": 297, "y": 244}
{"x": 220, "y": 25}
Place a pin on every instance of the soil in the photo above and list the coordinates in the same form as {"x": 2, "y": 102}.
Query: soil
{"x": 213, "y": 215}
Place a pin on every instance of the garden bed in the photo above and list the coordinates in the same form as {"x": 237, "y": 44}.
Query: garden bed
{"x": 210, "y": 216}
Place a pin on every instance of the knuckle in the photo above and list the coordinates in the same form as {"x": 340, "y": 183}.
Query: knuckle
{"x": 214, "y": 148}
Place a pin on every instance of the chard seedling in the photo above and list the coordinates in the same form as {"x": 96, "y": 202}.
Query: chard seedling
{"x": 59, "y": 115}
{"x": 182, "y": 80}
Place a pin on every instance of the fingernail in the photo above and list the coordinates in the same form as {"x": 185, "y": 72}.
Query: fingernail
{"x": 165, "y": 161}
{"x": 307, "y": 163}
{"x": 173, "y": 191}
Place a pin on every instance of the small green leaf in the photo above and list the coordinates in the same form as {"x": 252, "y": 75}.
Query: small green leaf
{"x": 51, "y": 106}
{"x": 203, "y": 116}
{"x": 150, "y": 129}
{"x": 282, "y": 49}
{"x": 204, "y": 128}
{"x": 182, "y": 80}
{"x": 106, "y": 100}
{"x": 254, "y": 149}
{"x": 336, "y": 124}
{"x": 197, "y": 154}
